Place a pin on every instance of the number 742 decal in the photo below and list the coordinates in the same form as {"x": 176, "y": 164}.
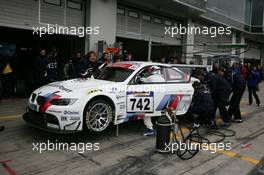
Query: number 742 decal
{"x": 140, "y": 102}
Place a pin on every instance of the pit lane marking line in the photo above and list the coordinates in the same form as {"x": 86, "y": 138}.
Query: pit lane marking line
{"x": 11, "y": 117}
{"x": 244, "y": 102}
{"x": 236, "y": 155}
{"x": 226, "y": 152}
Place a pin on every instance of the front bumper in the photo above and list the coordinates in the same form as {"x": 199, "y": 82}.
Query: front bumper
{"x": 46, "y": 122}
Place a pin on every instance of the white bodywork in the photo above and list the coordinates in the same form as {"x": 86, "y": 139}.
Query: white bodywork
{"x": 176, "y": 92}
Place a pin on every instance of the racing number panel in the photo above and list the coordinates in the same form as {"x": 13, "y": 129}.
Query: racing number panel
{"x": 140, "y": 102}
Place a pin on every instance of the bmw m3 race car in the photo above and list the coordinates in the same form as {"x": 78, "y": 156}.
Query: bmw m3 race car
{"x": 115, "y": 95}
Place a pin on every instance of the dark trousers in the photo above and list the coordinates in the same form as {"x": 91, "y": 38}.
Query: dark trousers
{"x": 205, "y": 118}
{"x": 7, "y": 85}
{"x": 220, "y": 102}
{"x": 234, "y": 108}
{"x": 253, "y": 90}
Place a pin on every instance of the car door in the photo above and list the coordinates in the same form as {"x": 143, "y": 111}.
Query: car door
{"x": 142, "y": 98}
{"x": 178, "y": 93}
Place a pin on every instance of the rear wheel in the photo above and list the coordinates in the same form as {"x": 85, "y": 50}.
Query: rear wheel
{"x": 98, "y": 115}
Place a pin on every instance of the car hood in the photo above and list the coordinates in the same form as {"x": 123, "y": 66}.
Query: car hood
{"x": 74, "y": 87}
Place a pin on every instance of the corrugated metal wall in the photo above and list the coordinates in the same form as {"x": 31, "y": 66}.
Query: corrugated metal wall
{"x": 31, "y": 13}
{"x": 140, "y": 25}
{"x": 19, "y": 14}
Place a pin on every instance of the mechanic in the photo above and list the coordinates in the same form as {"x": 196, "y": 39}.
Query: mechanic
{"x": 106, "y": 59}
{"x": 73, "y": 69}
{"x": 40, "y": 66}
{"x": 238, "y": 88}
{"x": 117, "y": 58}
{"x": 153, "y": 75}
{"x": 220, "y": 90}
{"x": 52, "y": 66}
{"x": 89, "y": 64}
{"x": 253, "y": 80}
{"x": 202, "y": 106}
{"x": 129, "y": 57}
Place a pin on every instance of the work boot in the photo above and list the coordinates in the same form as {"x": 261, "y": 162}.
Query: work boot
{"x": 238, "y": 120}
{"x": 149, "y": 132}
{"x": 225, "y": 125}
{"x": 196, "y": 125}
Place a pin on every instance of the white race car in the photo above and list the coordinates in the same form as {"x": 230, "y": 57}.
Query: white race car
{"x": 116, "y": 94}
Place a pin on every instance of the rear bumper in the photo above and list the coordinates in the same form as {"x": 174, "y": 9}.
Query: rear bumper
{"x": 46, "y": 122}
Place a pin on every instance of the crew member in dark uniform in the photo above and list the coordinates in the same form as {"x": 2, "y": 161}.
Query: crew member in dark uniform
{"x": 238, "y": 88}
{"x": 40, "y": 67}
{"x": 89, "y": 64}
{"x": 220, "y": 90}
{"x": 202, "y": 106}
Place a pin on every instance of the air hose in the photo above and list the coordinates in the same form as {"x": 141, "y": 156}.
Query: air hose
{"x": 194, "y": 136}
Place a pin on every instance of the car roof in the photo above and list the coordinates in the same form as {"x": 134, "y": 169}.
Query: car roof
{"x": 140, "y": 64}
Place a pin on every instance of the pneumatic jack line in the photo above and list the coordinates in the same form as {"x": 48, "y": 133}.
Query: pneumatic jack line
{"x": 188, "y": 140}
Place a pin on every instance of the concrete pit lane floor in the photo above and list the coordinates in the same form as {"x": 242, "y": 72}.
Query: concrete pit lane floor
{"x": 129, "y": 153}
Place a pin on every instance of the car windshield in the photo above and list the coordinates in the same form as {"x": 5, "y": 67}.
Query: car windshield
{"x": 115, "y": 74}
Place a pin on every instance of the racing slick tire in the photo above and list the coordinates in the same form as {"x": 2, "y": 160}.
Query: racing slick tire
{"x": 98, "y": 116}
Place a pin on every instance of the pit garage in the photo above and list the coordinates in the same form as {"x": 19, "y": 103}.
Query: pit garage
{"x": 18, "y": 18}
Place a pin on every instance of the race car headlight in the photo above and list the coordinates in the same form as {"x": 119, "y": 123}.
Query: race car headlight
{"x": 63, "y": 101}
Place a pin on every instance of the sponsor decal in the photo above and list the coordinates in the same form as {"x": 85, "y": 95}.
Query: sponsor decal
{"x": 54, "y": 111}
{"x": 135, "y": 116}
{"x": 66, "y": 112}
{"x": 63, "y": 118}
{"x": 61, "y": 87}
{"x": 141, "y": 94}
{"x": 75, "y": 118}
{"x": 170, "y": 100}
{"x": 90, "y": 91}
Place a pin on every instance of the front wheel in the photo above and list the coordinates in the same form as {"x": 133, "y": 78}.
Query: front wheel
{"x": 98, "y": 115}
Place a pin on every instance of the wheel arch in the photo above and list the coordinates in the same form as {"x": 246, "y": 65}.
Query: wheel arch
{"x": 102, "y": 97}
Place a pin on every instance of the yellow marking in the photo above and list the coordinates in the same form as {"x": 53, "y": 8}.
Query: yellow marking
{"x": 224, "y": 152}
{"x": 10, "y": 117}
{"x": 244, "y": 102}
{"x": 236, "y": 155}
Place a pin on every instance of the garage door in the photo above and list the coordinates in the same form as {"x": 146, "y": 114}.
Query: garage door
{"x": 29, "y": 14}
{"x": 135, "y": 24}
